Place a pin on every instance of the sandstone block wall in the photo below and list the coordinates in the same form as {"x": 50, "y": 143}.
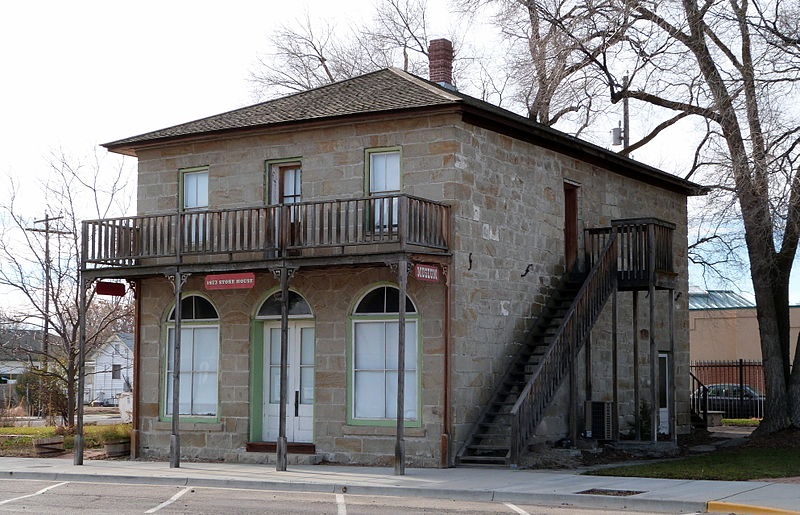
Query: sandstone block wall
{"x": 332, "y": 295}
{"x": 509, "y": 218}
{"x": 508, "y": 215}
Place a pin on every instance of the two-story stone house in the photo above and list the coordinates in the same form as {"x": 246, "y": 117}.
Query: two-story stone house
{"x": 350, "y": 193}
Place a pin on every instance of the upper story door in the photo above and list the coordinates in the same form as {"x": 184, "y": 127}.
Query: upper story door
{"x": 570, "y": 225}
{"x": 290, "y": 184}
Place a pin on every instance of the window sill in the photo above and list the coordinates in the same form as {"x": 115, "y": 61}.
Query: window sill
{"x": 411, "y": 432}
{"x": 188, "y": 426}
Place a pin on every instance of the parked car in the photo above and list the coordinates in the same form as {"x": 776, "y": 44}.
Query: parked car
{"x": 733, "y": 400}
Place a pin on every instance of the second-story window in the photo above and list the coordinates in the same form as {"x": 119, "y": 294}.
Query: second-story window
{"x": 195, "y": 188}
{"x": 383, "y": 176}
{"x": 384, "y": 172}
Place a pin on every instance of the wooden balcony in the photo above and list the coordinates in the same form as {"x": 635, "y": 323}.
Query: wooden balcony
{"x": 644, "y": 252}
{"x": 346, "y": 231}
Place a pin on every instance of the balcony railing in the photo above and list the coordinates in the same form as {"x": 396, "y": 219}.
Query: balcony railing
{"x": 645, "y": 249}
{"x": 404, "y": 221}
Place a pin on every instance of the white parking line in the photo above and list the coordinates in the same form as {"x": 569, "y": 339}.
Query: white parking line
{"x": 40, "y": 492}
{"x": 516, "y": 509}
{"x": 170, "y": 500}
{"x": 341, "y": 507}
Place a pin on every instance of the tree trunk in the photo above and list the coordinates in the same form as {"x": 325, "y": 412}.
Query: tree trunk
{"x": 71, "y": 395}
{"x": 769, "y": 313}
{"x": 794, "y": 387}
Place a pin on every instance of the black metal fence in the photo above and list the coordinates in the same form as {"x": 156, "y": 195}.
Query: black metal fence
{"x": 735, "y": 388}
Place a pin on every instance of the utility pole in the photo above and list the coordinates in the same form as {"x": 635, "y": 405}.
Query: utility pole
{"x": 624, "y": 138}
{"x": 46, "y": 334}
{"x": 626, "y": 119}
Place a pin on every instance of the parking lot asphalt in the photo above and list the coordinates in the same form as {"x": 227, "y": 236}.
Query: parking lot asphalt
{"x": 67, "y": 497}
{"x": 528, "y": 487}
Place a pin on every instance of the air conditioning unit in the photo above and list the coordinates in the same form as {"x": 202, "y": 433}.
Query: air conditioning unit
{"x": 600, "y": 420}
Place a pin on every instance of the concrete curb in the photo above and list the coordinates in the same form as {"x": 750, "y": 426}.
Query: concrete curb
{"x": 746, "y": 509}
{"x": 540, "y": 499}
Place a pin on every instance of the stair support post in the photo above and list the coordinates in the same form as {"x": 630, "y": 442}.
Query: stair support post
{"x": 651, "y": 264}
{"x": 615, "y": 365}
{"x": 573, "y": 388}
{"x": 636, "y": 400}
{"x": 673, "y": 416}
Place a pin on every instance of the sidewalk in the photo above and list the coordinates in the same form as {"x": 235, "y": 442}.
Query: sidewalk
{"x": 547, "y": 488}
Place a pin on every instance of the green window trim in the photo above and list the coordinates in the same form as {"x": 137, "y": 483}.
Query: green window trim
{"x": 256, "y": 431}
{"x": 368, "y": 160}
{"x": 350, "y": 343}
{"x": 256, "y": 380}
{"x": 166, "y": 325}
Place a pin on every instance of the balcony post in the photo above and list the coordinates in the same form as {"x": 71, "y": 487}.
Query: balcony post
{"x": 84, "y": 285}
{"x": 281, "y": 458}
{"x": 399, "y": 449}
{"x": 402, "y": 223}
{"x": 175, "y": 439}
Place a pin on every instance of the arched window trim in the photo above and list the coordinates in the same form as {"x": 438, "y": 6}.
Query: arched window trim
{"x": 356, "y": 318}
{"x": 193, "y": 296}
{"x": 409, "y": 312}
{"x": 189, "y": 323}
{"x": 309, "y": 315}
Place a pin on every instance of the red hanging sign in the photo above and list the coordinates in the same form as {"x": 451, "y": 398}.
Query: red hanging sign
{"x": 230, "y": 281}
{"x": 429, "y": 273}
{"x": 110, "y": 288}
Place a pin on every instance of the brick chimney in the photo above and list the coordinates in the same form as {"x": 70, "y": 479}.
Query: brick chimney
{"x": 440, "y": 62}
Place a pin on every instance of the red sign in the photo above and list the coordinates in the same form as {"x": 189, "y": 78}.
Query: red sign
{"x": 428, "y": 273}
{"x": 109, "y": 288}
{"x": 230, "y": 281}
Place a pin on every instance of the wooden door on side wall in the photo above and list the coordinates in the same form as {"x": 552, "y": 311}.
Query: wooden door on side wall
{"x": 570, "y": 225}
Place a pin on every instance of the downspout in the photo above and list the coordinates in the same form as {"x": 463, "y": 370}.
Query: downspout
{"x": 137, "y": 347}
{"x": 444, "y": 462}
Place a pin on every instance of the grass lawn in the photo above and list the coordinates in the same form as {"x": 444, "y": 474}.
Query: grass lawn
{"x": 96, "y": 436}
{"x": 741, "y": 422}
{"x": 729, "y": 464}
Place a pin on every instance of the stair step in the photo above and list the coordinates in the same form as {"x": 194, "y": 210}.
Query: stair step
{"x": 491, "y": 435}
{"x": 482, "y": 447}
{"x": 494, "y": 460}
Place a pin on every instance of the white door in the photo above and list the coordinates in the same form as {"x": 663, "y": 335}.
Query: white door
{"x": 663, "y": 393}
{"x": 300, "y": 390}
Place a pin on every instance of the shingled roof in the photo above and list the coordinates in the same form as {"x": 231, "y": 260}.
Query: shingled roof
{"x": 383, "y": 90}
{"x": 389, "y": 91}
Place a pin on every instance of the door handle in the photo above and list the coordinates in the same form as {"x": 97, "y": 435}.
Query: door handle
{"x": 297, "y": 403}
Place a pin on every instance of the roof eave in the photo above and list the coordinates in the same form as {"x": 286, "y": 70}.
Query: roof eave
{"x": 130, "y": 149}
{"x": 563, "y": 143}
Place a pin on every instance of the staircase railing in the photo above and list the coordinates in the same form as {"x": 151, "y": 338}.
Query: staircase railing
{"x": 570, "y": 336}
{"x": 699, "y": 398}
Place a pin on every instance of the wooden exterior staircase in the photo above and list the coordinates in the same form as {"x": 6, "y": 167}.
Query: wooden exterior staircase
{"x": 519, "y": 401}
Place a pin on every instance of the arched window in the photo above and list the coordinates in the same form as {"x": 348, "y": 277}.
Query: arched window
{"x": 374, "y": 363}
{"x": 199, "y": 358}
{"x": 271, "y": 308}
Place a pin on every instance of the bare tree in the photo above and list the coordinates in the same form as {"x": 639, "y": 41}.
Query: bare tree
{"x": 735, "y": 66}
{"x": 311, "y": 52}
{"x": 548, "y": 63}
{"x": 73, "y": 191}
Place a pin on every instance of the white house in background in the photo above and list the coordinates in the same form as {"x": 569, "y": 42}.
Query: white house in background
{"x": 17, "y": 348}
{"x": 110, "y": 370}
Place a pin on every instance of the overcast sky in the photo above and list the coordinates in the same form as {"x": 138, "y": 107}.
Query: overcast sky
{"x": 77, "y": 74}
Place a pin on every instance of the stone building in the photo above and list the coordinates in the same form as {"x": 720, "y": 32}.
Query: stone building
{"x": 346, "y": 195}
